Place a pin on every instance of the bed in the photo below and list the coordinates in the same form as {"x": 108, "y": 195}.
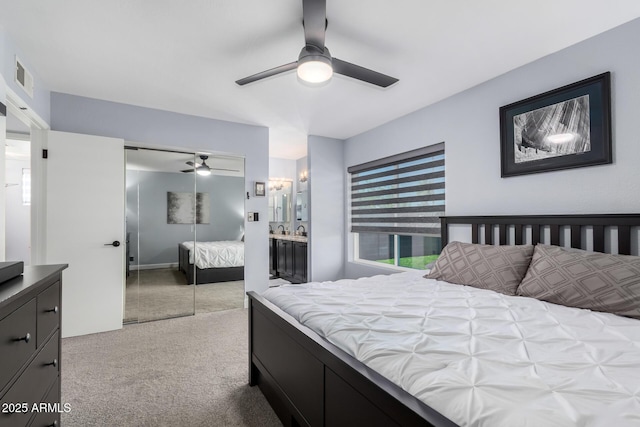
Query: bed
{"x": 210, "y": 262}
{"x": 573, "y": 366}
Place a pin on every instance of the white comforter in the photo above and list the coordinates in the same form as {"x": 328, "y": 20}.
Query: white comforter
{"x": 479, "y": 357}
{"x": 225, "y": 253}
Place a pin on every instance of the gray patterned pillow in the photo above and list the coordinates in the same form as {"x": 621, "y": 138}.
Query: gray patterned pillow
{"x": 577, "y": 278}
{"x": 499, "y": 268}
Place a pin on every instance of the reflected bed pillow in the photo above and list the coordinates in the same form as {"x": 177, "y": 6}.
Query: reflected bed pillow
{"x": 498, "y": 268}
{"x": 577, "y": 278}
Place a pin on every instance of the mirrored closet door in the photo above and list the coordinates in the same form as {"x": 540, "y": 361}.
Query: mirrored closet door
{"x": 160, "y": 225}
{"x": 220, "y": 236}
{"x": 185, "y": 234}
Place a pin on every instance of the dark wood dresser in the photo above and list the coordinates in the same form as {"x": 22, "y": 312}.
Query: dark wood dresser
{"x": 30, "y": 347}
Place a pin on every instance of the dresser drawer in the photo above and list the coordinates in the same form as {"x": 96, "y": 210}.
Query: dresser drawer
{"x": 49, "y": 416}
{"x": 32, "y": 385}
{"x": 17, "y": 340}
{"x": 48, "y": 311}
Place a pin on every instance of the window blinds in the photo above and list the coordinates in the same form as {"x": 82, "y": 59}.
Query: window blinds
{"x": 402, "y": 194}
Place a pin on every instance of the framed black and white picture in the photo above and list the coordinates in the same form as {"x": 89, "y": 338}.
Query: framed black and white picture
{"x": 259, "y": 189}
{"x": 182, "y": 208}
{"x": 565, "y": 128}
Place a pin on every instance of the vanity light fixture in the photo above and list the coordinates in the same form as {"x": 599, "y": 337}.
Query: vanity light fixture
{"x": 304, "y": 176}
{"x": 275, "y": 185}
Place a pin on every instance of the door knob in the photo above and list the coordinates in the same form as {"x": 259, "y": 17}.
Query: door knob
{"x": 115, "y": 243}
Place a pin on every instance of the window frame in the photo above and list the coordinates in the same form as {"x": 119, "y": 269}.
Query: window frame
{"x": 381, "y": 163}
{"x": 369, "y": 263}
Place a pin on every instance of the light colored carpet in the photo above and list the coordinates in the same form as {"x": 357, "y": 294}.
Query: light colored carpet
{"x": 188, "y": 371}
{"x": 163, "y": 293}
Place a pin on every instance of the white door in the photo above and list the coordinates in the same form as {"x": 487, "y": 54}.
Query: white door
{"x": 85, "y": 215}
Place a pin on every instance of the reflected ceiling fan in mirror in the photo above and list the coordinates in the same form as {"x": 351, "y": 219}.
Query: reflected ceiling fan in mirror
{"x": 315, "y": 64}
{"x": 203, "y": 168}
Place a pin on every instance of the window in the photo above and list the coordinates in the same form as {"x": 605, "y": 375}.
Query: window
{"x": 396, "y": 204}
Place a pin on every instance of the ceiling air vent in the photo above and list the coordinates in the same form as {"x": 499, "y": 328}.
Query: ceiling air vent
{"x": 24, "y": 78}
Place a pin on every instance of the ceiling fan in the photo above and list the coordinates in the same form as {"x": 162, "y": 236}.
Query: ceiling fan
{"x": 315, "y": 64}
{"x": 203, "y": 168}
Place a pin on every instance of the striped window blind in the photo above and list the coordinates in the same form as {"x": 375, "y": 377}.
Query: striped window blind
{"x": 401, "y": 194}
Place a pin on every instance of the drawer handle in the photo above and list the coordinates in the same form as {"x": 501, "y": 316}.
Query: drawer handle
{"x": 52, "y": 310}
{"x": 54, "y": 363}
{"x": 25, "y": 338}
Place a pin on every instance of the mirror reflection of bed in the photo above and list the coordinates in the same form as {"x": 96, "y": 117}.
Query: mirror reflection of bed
{"x": 170, "y": 205}
{"x": 217, "y": 269}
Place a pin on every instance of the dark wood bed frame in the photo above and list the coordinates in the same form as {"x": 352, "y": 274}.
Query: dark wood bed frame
{"x": 309, "y": 381}
{"x": 206, "y": 275}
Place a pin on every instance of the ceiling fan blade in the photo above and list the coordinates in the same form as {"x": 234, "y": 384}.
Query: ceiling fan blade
{"x": 366, "y": 75}
{"x": 314, "y": 15}
{"x": 187, "y": 170}
{"x": 190, "y": 163}
{"x": 268, "y": 73}
{"x": 223, "y": 169}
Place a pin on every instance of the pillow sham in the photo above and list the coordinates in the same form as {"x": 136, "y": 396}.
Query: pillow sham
{"x": 499, "y": 268}
{"x": 577, "y": 278}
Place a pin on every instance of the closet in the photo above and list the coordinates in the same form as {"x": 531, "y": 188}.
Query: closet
{"x": 174, "y": 199}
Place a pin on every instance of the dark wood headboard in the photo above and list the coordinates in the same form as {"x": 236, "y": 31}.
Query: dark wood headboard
{"x": 575, "y": 223}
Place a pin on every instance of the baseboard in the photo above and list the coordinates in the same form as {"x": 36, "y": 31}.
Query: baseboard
{"x": 153, "y": 266}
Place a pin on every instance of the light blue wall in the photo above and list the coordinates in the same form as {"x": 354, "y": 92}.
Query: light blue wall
{"x": 469, "y": 124}
{"x": 147, "y": 213}
{"x": 327, "y": 207}
{"x": 162, "y": 129}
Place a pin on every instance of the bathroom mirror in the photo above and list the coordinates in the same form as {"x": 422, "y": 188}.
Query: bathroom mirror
{"x": 280, "y": 205}
{"x": 302, "y": 211}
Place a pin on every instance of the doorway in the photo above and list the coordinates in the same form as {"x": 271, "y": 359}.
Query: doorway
{"x": 17, "y": 183}
{"x": 176, "y": 211}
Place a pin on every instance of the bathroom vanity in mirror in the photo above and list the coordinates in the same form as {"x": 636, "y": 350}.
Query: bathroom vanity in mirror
{"x": 287, "y": 245}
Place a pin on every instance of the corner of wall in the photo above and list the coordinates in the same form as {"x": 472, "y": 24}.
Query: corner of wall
{"x": 326, "y": 207}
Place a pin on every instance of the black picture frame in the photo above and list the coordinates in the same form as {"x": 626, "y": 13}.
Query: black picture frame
{"x": 568, "y": 127}
{"x": 259, "y": 189}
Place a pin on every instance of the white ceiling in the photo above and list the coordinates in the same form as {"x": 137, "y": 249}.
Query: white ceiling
{"x": 185, "y": 56}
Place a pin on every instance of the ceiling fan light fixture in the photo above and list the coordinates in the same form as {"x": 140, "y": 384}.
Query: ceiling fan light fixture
{"x": 203, "y": 171}
{"x": 314, "y": 66}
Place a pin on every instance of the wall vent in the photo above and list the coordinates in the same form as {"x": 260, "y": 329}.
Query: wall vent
{"x": 24, "y": 79}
